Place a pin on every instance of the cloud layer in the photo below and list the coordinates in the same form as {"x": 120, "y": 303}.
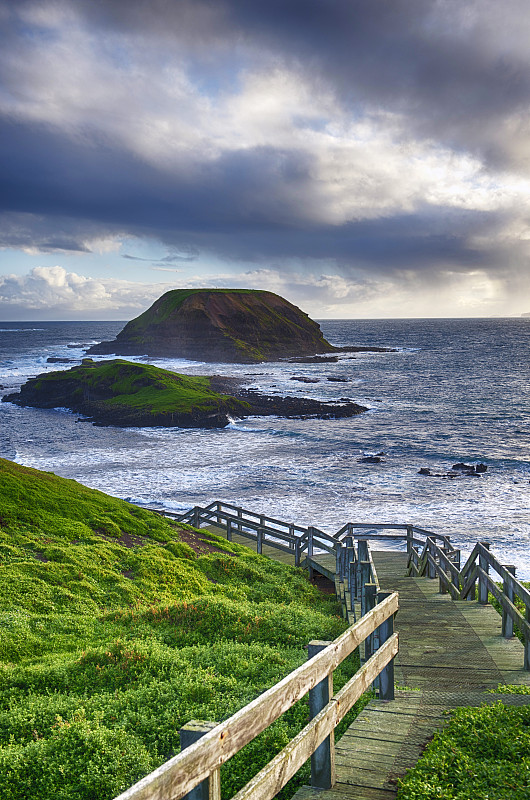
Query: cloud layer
{"x": 363, "y": 140}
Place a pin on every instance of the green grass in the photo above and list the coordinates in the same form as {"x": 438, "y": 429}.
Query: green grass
{"x": 482, "y": 753}
{"x": 141, "y": 387}
{"x": 171, "y": 301}
{"x": 106, "y": 650}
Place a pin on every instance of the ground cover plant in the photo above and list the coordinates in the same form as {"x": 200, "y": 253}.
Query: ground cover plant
{"x": 482, "y": 753}
{"x": 117, "y": 628}
{"x": 123, "y": 387}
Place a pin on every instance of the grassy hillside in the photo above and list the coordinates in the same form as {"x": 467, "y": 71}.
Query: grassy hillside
{"x": 117, "y": 627}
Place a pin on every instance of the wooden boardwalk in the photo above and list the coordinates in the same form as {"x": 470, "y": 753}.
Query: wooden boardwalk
{"x": 451, "y": 653}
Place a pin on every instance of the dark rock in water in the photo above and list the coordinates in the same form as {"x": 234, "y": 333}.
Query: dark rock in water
{"x": 56, "y": 360}
{"x": 461, "y": 467}
{"x": 370, "y": 460}
{"x": 314, "y": 360}
{"x": 358, "y": 349}
{"x": 459, "y": 470}
{"x": 337, "y": 379}
{"x": 481, "y": 468}
{"x": 227, "y": 325}
{"x": 304, "y": 379}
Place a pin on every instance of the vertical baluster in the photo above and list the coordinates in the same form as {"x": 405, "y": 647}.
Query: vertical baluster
{"x": 210, "y": 788}
{"x": 386, "y": 676}
{"x": 482, "y": 582}
{"x": 456, "y": 562}
{"x": 323, "y": 759}
{"x": 507, "y": 587}
{"x": 370, "y": 591}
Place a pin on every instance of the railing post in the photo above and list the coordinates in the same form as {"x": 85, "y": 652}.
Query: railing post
{"x": 297, "y": 552}
{"x": 259, "y": 545}
{"x": 482, "y": 583}
{"x": 386, "y": 676}
{"x": 365, "y": 579}
{"x": 363, "y": 550}
{"x": 431, "y": 572}
{"x": 292, "y": 542}
{"x": 310, "y": 542}
{"x": 352, "y": 583}
{"x": 218, "y": 509}
{"x": 527, "y": 641}
{"x": 210, "y": 788}
{"x": 456, "y": 561}
{"x": 196, "y": 517}
{"x": 323, "y": 759}
{"x": 370, "y": 592}
{"x": 507, "y": 588}
{"x": 410, "y": 535}
{"x": 442, "y": 588}
{"x": 240, "y": 518}
{"x": 229, "y": 530}
{"x": 338, "y": 548}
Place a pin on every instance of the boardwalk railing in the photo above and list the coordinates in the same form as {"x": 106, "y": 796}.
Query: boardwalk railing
{"x": 290, "y": 537}
{"x": 444, "y": 563}
{"x": 430, "y": 555}
{"x": 264, "y": 530}
{"x": 201, "y": 761}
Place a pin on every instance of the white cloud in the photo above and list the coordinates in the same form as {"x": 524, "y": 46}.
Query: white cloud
{"x": 52, "y": 292}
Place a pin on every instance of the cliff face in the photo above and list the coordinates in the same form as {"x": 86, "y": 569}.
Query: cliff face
{"x": 239, "y": 325}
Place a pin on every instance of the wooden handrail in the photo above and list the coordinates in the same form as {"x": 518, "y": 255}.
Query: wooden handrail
{"x": 461, "y": 583}
{"x": 183, "y": 772}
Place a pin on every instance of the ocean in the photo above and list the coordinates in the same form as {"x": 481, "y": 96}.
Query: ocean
{"x": 454, "y": 391}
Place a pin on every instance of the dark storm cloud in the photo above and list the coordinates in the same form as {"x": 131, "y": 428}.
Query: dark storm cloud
{"x": 451, "y": 73}
{"x": 457, "y": 71}
{"x": 252, "y": 220}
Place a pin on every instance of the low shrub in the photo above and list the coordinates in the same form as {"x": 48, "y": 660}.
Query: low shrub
{"x": 482, "y": 753}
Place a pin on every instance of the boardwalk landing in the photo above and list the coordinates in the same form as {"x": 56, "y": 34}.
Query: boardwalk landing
{"x": 450, "y": 654}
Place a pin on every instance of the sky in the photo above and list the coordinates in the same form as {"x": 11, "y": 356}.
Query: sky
{"x": 362, "y": 158}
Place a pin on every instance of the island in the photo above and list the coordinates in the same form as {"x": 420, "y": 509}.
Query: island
{"x": 219, "y": 325}
{"x": 126, "y": 394}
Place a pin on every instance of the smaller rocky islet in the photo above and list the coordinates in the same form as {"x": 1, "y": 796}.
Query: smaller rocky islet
{"x": 127, "y": 394}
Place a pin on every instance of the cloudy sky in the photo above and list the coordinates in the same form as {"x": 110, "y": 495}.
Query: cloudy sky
{"x": 364, "y": 158}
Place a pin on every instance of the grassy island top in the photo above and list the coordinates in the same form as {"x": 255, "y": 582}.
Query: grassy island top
{"x": 172, "y": 300}
{"x": 117, "y": 627}
{"x": 140, "y": 386}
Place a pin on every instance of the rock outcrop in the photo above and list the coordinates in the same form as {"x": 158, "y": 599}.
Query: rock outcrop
{"x": 125, "y": 394}
{"x": 225, "y": 325}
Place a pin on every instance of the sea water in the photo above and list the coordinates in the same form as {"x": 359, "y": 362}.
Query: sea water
{"x": 453, "y": 390}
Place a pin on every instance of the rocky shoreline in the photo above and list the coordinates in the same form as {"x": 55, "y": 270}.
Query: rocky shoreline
{"x": 290, "y": 407}
{"x": 125, "y": 394}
